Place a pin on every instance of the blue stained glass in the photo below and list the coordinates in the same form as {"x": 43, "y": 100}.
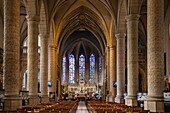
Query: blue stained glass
{"x": 71, "y": 69}
{"x": 81, "y": 68}
{"x": 64, "y": 70}
{"x": 92, "y": 69}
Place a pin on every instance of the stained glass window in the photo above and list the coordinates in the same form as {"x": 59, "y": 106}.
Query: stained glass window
{"x": 64, "y": 70}
{"x": 100, "y": 69}
{"x": 92, "y": 69}
{"x": 71, "y": 69}
{"x": 81, "y": 68}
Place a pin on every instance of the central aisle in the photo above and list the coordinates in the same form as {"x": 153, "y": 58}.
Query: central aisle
{"x": 82, "y": 107}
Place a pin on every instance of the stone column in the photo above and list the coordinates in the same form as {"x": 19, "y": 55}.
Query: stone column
{"x": 87, "y": 68}
{"x": 76, "y": 70}
{"x": 155, "y": 51}
{"x": 104, "y": 79}
{"x": 97, "y": 72}
{"x": 120, "y": 68}
{"x": 59, "y": 89}
{"x": 103, "y": 74}
{"x": 32, "y": 59}
{"x": 132, "y": 59}
{"x": 44, "y": 67}
{"x": 52, "y": 71}
{"x": 58, "y": 78}
{"x": 112, "y": 73}
{"x": 67, "y": 73}
{"x": 11, "y": 54}
{"x": 108, "y": 74}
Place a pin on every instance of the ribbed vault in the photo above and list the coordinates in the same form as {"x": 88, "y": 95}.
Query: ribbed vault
{"x": 82, "y": 42}
{"x": 84, "y": 19}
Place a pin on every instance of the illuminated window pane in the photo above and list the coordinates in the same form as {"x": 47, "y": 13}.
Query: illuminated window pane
{"x": 92, "y": 69}
{"x": 81, "y": 68}
{"x": 64, "y": 70}
{"x": 71, "y": 69}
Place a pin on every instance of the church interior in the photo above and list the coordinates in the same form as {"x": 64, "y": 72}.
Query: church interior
{"x": 89, "y": 53}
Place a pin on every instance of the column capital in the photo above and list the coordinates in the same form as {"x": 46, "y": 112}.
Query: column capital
{"x": 132, "y": 17}
{"x": 111, "y": 47}
{"x": 120, "y": 35}
{"x": 33, "y": 18}
{"x": 53, "y": 47}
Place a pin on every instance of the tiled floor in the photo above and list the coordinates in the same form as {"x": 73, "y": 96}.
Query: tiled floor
{"x": 82, "y": 107}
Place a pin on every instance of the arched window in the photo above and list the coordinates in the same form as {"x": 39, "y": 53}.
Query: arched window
{"x": 24, "y": 82}
{"x": 100, "y": 69}
{"x": 64, "y": 70}
{"x": 25, "y": 44}
{"x": 81, "y": 68}
{"x": 71, "y": 69}
{"x": 92, "y": 69}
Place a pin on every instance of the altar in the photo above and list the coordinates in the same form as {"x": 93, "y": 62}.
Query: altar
{"x": 82, "y": 96}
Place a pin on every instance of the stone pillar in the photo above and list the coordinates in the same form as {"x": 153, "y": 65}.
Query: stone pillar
{"x": 132, "y": 59}
{"x": 97, "y": 72}
{"x": 59, "y": 89}
{"x": 87, "y": 68}
{"x": 76, "y": 70}
{"x": 112, "y": 73}
{"x": 44, "y": 67}
{"x": 108, "y": 74}
{"x": 154, "y": 101}
{"x": 52, "y": 71}
{"x": 120, "y": 68}
{"x": 67, "y": 70}
{"x": 32, "y": 59}
{"x": 11, "y": 54}
{"x": 104, "y": 79}
{"x": 58, "y": 78}
{"x": 103, "y": 74}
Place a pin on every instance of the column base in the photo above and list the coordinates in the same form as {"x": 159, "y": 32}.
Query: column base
{"x": 34, "y": 100}
{"x": 111, "y": 99}
{"x": 44, "y": 99}
{"x": 131, "y": 101}
{"x": 107, "y": 98}
{"x": 119, "y": 99}
{"x": 12, "y": 102}
{"x": 154, "y": 104}
{"x": 59, "y": 98}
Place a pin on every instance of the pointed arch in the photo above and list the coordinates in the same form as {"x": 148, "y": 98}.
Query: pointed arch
{"x": 44, "y": 26}
{"x": 121, "y": 23}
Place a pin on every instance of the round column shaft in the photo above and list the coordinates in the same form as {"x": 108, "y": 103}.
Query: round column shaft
{"x": 112, "y": 73}
{"x": 32, "y": 59}
{"x": 108, "y": 74}
{"x": 155, "y": 52}
{"x": 11, "y": 54}
{"x": 44, "y": 67}
{"x": 52, "y": 70}
{"x": 120, "y": 68}
{"x": 132, "y": 59}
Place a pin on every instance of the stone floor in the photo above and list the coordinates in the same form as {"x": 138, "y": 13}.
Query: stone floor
{"x": 82, "y": 107}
